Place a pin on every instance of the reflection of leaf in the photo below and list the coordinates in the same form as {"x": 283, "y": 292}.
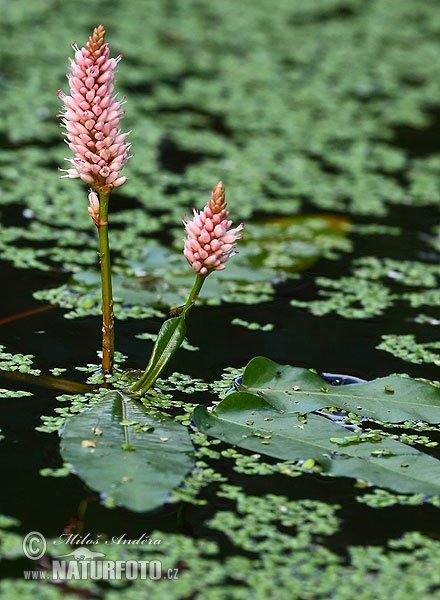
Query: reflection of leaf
{"x": 135, "y": 465}
{"x": 298, "y": 390}
{"x": 250, "y": 422}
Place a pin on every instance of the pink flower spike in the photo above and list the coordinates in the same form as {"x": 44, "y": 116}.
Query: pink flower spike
{"x": 91, "y": 116}
{"x": 208, "y": 247}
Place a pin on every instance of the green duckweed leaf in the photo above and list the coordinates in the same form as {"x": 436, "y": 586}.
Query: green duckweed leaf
{"x": 250, "y": 422}
{"x": 298, "y": 390}
{"x": 350, "y": 297}
{"x": 134, "y": 465}
{"x": 407, "y": 348}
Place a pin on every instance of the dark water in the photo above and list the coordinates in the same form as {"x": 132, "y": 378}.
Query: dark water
{"x": 330, "y": 343}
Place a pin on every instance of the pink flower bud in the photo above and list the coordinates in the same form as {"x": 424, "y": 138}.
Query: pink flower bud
{"x": 94, "y": 206}
{"x": 209, "y": 241}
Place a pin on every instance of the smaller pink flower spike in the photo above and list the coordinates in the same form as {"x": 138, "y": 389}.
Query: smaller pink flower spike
{"x": 210, "y": 241}
{"x": 91, "y": 117}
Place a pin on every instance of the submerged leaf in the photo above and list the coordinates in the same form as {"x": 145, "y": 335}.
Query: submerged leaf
{"x": 132, "y": 463}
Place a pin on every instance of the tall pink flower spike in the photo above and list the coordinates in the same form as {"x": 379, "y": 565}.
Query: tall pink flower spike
{"x": 91, "y": 117}
{"x": 210, "y": 242}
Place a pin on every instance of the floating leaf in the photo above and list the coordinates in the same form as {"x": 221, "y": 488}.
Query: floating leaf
{"x": 241, "y": 419}
{"x": 294, "y": 389}
{"x": 137, "y": 465}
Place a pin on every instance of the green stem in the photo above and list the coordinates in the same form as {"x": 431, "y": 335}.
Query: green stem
{"x": 168, "y": 341}
{"x": 200, "y": 280}
{"x": 108, "y": 334}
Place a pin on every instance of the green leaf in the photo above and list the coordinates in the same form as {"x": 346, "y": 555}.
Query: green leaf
{"x": 136, "y": 468}
{"x": 393, "y": 398}
{"x": 250, "y": 422}
{"x": 169, "y": 340}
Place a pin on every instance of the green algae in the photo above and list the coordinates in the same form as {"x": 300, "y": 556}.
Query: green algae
{"x": 406, "y": 348}
{"x": 266, "y": 146}
{"x": 236, "y": 92}
{"x": 385, "y": 499}
{"x": 17, "y": 362}
{"x": 13, "y": 393}
{"x": 376, "y": 284}
{"x": 406, "y": 272}
{"x": 349, "y": 297}
{"x": 253, "y": 326}
{"x": 278, "y": 552}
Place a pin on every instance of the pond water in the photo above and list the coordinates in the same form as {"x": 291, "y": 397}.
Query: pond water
{"x": 322, "y": 120}
{"x": 329, "y": 343}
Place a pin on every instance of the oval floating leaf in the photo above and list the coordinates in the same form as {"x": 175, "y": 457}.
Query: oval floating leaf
{"x": 121, "y": 450}
{"x": 393, "y": 398}
{"x": 250, "y": 422}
